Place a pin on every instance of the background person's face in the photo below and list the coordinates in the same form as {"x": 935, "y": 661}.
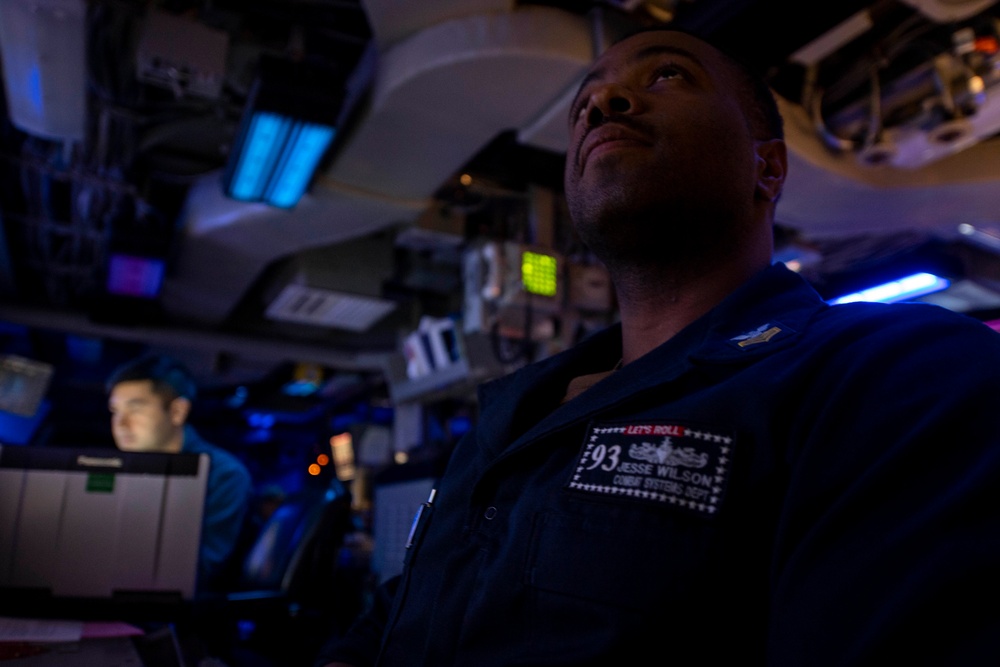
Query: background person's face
{"x": 140, "y": 420}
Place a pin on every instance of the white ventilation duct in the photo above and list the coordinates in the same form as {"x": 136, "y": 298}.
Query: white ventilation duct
{"x": 440, "y": 94}
{"x": 947, "y": 11}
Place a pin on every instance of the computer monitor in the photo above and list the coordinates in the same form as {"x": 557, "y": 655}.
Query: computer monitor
{"x": 100, "y": 524}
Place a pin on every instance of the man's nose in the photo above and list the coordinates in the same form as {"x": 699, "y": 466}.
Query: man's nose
{"x": 608, "y": 100}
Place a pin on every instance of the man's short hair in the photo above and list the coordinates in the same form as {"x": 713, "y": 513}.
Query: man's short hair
{"x": 170, "y": 378}
{"x": 755, "y": 93}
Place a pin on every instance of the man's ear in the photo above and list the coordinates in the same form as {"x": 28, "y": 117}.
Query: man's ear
{"x": 179, "y": 409}
{"x": 772, "y": 166}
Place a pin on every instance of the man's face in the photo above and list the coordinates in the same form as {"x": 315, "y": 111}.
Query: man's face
{"x": 141, "y": 421}
{"x": 658, "y": 140}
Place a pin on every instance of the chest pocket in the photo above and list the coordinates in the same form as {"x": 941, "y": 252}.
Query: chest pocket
{"x": 625, "y": 557}
{"x": 637, "y": 518}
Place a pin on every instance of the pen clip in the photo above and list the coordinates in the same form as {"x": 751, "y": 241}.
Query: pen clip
{"x": 425, "y": 506}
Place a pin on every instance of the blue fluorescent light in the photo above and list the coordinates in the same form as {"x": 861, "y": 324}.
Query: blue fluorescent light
{"x": 909, "y": 287}
{"x": 263, "y": 145}
{"x": 305, "y": 147}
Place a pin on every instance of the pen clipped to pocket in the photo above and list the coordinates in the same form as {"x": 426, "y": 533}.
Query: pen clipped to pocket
{"x": 419, "y": 524}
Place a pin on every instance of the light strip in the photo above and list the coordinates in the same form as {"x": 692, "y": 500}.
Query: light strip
{"x": 303, "y": 150}
{"x": 265, "y": 138}
{"x": 909, "y": 287}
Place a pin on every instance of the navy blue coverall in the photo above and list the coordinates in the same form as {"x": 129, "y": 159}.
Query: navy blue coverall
{"x": 783, "y": 483}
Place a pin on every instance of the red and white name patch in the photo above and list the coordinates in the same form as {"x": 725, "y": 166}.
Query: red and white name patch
{"x": 664, "y": 463}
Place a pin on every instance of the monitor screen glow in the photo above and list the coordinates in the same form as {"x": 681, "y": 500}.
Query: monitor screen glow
{"x": 131, "y": 275}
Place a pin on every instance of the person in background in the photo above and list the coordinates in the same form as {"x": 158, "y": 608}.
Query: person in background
{"x": 150, "y": 399}
{"x": 268, "y": 500}
{"x": 736, "y": 473}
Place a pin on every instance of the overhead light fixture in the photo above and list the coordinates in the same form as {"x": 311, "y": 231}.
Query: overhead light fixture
{"x": 908, "y": 287}
{"x": 278, "y": 159}
{"x": 288, "y": 126}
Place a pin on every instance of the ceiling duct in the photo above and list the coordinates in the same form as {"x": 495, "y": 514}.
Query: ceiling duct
{"x": 336, "y": 287}
{"x": 439, "y": 96}
{"x": 912, "y": 94}
{"x": 947, "y": 11}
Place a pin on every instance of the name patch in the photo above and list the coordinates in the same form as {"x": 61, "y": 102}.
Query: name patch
{"x": 663, "y": 463}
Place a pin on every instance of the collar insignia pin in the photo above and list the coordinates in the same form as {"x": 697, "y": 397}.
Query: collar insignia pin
{"x": 761, "y": 334}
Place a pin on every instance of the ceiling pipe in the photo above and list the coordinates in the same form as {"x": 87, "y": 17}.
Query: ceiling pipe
{"x": 260, "y": 349}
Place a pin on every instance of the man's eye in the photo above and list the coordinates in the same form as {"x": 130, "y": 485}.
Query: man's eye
{"x": 668, "y": 72}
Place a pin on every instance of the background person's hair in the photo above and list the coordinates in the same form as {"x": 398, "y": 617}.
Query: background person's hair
{"x": 170, "y": 378}
{"x": 755, "y": 93}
